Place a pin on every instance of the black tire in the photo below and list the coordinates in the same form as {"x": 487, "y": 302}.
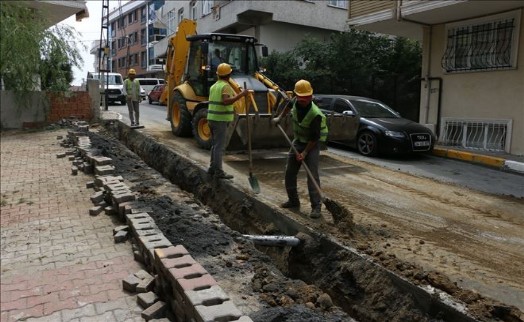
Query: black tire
{"x": 179, "y": 116}
{"x": 367, "y": 143}
{"x": 201, "y": 130}
{"x": 123, "y": 102}
{"x": 150, "y": 101}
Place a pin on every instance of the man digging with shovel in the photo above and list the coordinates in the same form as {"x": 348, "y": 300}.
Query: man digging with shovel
{"x": 309, "y": 128}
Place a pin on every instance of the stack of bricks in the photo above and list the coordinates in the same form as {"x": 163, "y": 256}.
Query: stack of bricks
{"x": 77, "y": 104}
{"x": 181, "y": 283}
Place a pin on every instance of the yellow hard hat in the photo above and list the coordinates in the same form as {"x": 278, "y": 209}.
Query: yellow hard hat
{"x": 224, "y": 69}
{"x": 303, "y": 88}
{"x": 131, "y": 72}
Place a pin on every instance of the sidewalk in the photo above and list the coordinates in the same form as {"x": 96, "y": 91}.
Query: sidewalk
{"x": 501, "y": 161}
{"x": 58, "y": 263}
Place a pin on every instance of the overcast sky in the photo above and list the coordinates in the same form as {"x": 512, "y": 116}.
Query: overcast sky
{"x": 89, "y": 29}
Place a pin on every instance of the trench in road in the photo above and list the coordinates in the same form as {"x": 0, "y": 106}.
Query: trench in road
{"x": 473, "y": 239}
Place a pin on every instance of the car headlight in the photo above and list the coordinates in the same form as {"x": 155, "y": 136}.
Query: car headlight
{"x": 394, "y": 134}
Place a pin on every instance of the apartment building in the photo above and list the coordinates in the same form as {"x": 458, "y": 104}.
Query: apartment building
{"x": 133, "y": 30}
{"x": 280, "y": 25}
{"x": 472, "y": 89}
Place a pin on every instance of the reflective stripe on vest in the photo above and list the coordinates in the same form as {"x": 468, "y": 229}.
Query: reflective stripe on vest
{"x": 302, "y": 131}
{"x": 217, "y": 111}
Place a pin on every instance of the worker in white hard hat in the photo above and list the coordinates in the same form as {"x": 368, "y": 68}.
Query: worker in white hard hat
{"x": 220, "y": 112}
{"x": 309, "y": 129}
{"x": 132, "y": 93}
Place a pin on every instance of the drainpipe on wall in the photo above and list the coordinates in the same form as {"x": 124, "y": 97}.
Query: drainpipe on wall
{"x": 427, "y": 77}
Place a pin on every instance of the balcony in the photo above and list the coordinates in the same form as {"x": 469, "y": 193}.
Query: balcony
{"x": 56, "y": 11}
{"x": 400, "y": 17}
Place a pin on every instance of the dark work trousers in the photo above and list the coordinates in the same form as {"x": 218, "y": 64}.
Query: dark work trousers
{"x": 133, "y": 108}
{"x": 218, "y": 143}
{"x": 292, "y": 167}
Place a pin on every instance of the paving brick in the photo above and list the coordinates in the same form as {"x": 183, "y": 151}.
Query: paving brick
{"x": 145, "y": 300}
{"x": 74, "y": 170}
{"x": 186, "y": 272}
{"x": 95, "y": 211}
{"x": 171, "y": 252}
{"x": 130, "y": 283}
{"x": 214, "y": 294}
{"x": 123, "y": 197}
{"x": 120, "y": 236}
{"x": 155, "y": 311}
{"x": 142, "y": 275}
{"x": 225, "y": 311}
{"x": 97, "y": 197}
{"x": 196, "y": 284}
{"x": 145, "y": 285}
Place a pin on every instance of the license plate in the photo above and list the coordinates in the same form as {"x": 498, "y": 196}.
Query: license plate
{"x": 422, "y": 143}
{"x": 112, "y": 96}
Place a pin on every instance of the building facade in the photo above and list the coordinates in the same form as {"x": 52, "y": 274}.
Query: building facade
{"x": 280, "y": 25}
{"x": 472, "y": 89}
{"x": 133, "y": 31}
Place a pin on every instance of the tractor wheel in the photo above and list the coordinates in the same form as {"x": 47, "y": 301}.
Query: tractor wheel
{"x": 201, "y": 130}
{"x": 180, "y": 116}
{"x": 367, "y": 144}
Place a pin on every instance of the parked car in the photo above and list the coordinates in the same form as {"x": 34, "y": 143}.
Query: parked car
{"x": 154, "y": 95}
{"x": 381, "y": 130}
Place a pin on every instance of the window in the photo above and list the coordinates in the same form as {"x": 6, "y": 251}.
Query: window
{"x": 131, "y": 18}
{"x": 482, "y": 45}
{"x": 207, "y": 6}
{"x": 113, "y": 65}
{"x": 180, "y": 14}
{"x": 132, "y": 39}
{"x": 338, "y": 3}
{"x": 143, "y": 14}
{"x": 113, "y": 48}
{"x": 193, "y": 7}
{"x": 143, "y": 38}
{"x": 113, "y": 30}
{"x": 171, "y": 22}
{"x": 143, "y": 59}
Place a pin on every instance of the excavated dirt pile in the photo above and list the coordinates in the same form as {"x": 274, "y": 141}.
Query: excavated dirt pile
{"x": 315, "y": 281}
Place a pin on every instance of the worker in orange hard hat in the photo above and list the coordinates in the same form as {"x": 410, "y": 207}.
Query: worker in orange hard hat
{"x": 310, "y": 130}
{"x": 219, "y": 113}
{"x": 132, "y": 93}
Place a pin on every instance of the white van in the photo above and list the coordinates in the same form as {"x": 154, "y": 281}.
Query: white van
{"x": 115, "y": 87}
{"x": 148, "y": 83}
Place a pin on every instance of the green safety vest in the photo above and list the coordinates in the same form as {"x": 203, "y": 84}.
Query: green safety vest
{"x": 302, "y": 131}
{"x": 132, "y": 88}
{"x": 217, "y": 111}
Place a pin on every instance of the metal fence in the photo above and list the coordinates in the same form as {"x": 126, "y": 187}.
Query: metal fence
{"x": 485, "y": 135}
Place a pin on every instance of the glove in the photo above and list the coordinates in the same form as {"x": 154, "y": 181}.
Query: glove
{"x": 275, "y": 120}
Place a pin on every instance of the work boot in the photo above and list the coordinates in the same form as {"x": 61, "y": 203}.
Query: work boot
{"x": 219, "y": 174}
{"x": 293, "y": 204}
{"x": 315, "y": 212}
{"x": 211, "y": 171}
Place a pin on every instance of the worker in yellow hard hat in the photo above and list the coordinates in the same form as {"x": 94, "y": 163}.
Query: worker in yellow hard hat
{"x": 219, "y": 113}
{"x": 309, "y": 129}
{"x": 132, "y": 93}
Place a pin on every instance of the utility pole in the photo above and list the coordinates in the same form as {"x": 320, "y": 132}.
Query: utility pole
{"x": 104, "y": 54}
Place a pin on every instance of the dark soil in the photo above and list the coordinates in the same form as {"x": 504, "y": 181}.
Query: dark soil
{"x": 224, "y": 253}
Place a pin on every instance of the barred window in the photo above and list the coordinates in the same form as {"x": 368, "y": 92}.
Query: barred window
{"x": 483, "y": 46}
{"x": 338, "y": 3}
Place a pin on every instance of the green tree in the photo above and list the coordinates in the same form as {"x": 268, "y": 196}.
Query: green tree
{"x": 355, "y": 63}
{"x": 29, "y": 50}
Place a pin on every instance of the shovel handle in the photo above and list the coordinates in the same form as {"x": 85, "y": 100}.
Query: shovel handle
{"x": 310, "y": 175}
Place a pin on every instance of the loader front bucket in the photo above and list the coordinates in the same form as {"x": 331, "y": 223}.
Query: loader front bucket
{"x": 264, "y": 134}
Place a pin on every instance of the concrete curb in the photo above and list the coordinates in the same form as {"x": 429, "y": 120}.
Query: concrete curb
{"x": 486, "y": 160}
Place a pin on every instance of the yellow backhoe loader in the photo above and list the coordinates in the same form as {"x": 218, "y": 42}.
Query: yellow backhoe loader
{"x": 191, "y": 65}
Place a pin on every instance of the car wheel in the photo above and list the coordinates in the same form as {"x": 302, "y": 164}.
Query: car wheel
{"x": 150, "y": 101}
{"x": 367, "y": 143}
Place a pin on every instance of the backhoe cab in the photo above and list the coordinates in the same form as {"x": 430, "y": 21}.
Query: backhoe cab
{"x": 192, "y": 61}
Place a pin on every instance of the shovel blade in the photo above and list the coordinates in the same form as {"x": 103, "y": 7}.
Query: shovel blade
{"x": 253, "y": 182}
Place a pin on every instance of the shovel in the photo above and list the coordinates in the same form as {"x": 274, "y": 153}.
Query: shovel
{"x": 253, "y": 182}
{"x": 340, "y": 213}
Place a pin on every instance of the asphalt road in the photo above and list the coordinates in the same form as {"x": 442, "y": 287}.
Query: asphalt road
{"x": 464, "y": 174}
